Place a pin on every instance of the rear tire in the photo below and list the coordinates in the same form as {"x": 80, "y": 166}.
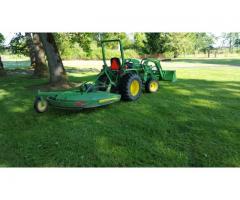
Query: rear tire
{"x": 131, "y": 87}
{"x": 40, "y": 105}
{"x": 152, "y": 86}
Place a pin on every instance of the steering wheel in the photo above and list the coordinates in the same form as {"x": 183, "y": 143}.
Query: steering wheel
{"x": 144, "y": 62}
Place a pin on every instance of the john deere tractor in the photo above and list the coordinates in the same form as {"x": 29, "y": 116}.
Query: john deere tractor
{"x": 128, "y": 76}
{"x": 123, "y": 79}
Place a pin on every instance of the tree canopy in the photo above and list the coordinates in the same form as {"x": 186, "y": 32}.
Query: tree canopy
{"x": 177, "y": 43}
{"x": 18, "y": 44}
{"x": 87, "y": 45}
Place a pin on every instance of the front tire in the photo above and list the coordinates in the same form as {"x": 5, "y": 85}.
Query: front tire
{"x": 131, "y": 87}
{"x": 40, "y": 105}
{"x": 152, "y": 86}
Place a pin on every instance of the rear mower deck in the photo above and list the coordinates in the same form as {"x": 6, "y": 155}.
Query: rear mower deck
{"x": 74, "y": 99}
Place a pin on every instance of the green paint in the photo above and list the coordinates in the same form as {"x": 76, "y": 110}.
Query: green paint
{"x": 88, "y": 95}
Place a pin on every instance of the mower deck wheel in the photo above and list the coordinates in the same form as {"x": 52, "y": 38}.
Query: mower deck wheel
{"x": 40, "y": 105}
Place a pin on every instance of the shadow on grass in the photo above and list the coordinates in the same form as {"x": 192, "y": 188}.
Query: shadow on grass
{"x": 189, "y": 123}
{"x": 82, "y": 78}
{"x": 229, "y": 62}
{"x": 82, "y": 71}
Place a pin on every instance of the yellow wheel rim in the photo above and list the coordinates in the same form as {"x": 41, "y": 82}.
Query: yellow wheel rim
{"x": 153, "y": 86}
{"x": 134, "y": 87}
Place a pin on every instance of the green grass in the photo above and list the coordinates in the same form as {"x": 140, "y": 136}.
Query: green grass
{"x": 193, "y": 122}
{"x": 15, "y": 61}
{"x": 211, "y": 61}
{"x": 205, "y": 62}
{"x": 16, "y": 64}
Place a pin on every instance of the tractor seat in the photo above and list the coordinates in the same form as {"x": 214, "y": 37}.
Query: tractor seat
{"x": 115, "y": 64}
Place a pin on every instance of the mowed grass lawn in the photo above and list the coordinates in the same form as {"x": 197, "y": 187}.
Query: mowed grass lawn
{"x": 192, "y": 122}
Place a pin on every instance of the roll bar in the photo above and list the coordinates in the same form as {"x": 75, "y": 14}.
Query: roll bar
{"x": 103, "y": 49}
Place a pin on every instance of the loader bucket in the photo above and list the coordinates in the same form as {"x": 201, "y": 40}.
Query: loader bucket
{"x": 169, "y": 75}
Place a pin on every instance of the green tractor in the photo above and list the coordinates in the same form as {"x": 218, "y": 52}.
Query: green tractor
{"x": 123, "y": 79}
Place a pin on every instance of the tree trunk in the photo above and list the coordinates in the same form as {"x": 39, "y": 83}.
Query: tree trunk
{"x": 175, "y": 54}
{"x": 55, "y": 65}
{"x": 230, "y": 45}
{"x": 31, "y": 49}
{"x": 40, "y": 69}
{"x": 2, "y": 71}
{"x": 208, "y": 52}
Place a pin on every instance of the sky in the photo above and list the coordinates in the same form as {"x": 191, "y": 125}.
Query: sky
{"x": 8, "y": 36}
{"x": 219, "y": 41}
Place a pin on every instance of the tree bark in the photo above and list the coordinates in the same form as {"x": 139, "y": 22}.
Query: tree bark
{"x": 31, "y": 49}
{"x": 2, "y": 71}
{"x": 230, "y": 45}
{"x": 55, "y": 65}
{"x": 40, "y": 69}
{"x": 175, "y": 54}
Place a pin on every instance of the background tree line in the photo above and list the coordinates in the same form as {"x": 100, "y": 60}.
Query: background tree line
{"x": 87, "y": 45}
{"x": 46, "y": 50}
